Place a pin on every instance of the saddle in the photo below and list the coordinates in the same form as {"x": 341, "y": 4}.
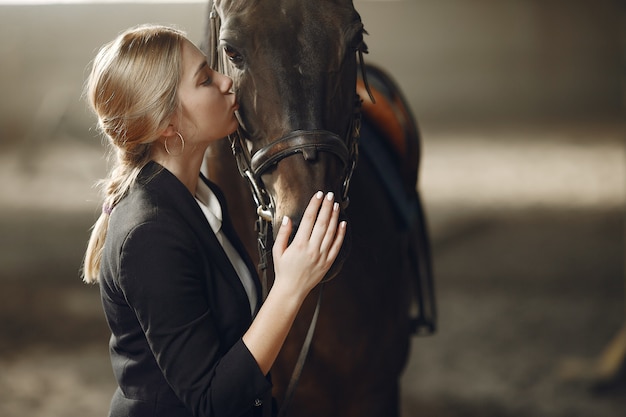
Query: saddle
{"x": 390, "y": 139}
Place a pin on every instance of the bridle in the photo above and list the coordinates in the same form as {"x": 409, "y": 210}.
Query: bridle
{"x": 305, "y": 142}
{"x": 252, "y": 166}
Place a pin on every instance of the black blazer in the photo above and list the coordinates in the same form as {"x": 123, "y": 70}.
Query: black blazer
{"x": 176, "y": 308}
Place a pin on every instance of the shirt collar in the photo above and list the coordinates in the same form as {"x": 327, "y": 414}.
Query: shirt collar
{"x": 213, "y": 211}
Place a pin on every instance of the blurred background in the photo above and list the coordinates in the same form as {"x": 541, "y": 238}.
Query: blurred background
{"x": 521, "y": 104}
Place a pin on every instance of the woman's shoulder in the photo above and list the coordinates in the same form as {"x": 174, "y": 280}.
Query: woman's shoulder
{"x": 150, "y": 200}
{"x": 143, "y": 224}
{"x": 155, "y": 192}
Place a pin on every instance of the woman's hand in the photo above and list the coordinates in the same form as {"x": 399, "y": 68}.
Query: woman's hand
{"x": 301, "y": 265}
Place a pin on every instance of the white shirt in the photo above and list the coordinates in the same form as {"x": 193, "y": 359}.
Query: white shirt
{"x": 212, "y": 210}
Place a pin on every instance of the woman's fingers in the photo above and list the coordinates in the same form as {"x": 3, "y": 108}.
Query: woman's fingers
{"x": 331, "y": 230}
{"x": 338, "y": 241}
{"x": 319, "y": 229}
{"x": 282, "y": 237}
{"x": 322, "y": 223}
{"x": 314, "y": 247}
{"x": 309, "y": 217}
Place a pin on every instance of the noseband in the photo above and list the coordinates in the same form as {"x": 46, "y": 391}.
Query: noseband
{"x": 305, "y": 142}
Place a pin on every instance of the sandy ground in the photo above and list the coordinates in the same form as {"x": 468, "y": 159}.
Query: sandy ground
{"x": 527, "y": 226}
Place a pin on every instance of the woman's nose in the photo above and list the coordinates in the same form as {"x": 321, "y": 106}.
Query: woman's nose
{"x": 227, "y": 84}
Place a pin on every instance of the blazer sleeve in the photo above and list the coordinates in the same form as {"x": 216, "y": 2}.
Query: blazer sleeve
{"x": 161, "y": 276}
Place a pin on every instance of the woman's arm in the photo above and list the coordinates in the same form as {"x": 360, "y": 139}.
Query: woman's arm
{"x": 164, "y": 282}
{"x": 299, "y": 267}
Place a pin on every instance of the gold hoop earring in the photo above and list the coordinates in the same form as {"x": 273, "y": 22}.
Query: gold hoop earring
{"x": 182, "y": 145}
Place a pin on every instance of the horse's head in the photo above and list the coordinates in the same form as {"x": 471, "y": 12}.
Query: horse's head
{"x": 294, "y": 66}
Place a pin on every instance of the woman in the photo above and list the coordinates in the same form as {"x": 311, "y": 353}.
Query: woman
{"x": 189, "y": 334}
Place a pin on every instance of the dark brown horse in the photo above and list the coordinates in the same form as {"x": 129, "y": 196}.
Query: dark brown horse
{"x": 294, "y": 64}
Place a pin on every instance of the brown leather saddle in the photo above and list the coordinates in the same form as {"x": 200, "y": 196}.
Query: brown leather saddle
{"x": 390, "y": 138}
{"x": 392, "y": 119}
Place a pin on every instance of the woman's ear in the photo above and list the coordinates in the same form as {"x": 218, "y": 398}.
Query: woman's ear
{"x": 170, "y": 130}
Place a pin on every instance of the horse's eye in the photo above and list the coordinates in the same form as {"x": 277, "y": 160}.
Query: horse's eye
{"x": 233, "y": 55}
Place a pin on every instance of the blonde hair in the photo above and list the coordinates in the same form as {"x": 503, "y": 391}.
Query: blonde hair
{"x": 133, "y": 90}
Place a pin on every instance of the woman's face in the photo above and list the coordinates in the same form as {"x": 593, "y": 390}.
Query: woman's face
{"x": 208, "y": 104}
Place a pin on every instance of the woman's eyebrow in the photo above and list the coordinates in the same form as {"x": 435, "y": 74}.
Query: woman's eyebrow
{"x": 202, "y": 65}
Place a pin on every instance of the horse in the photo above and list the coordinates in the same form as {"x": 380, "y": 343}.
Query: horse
{"x": 303, "y": 128}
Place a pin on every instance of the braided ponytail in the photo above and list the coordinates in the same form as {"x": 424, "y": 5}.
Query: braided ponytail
{"x": 133, "y": 89}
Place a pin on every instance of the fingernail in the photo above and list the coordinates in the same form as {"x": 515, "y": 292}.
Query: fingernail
{"x": 319, "y": 195}
{"x": 285, "y": 220}
{"x": 335, "y": 206}
{"x": 330, "y": 196}
{"x": 343, "y": 224}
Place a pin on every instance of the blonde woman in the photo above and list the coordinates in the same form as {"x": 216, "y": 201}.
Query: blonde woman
{"x": 190, "y": 336}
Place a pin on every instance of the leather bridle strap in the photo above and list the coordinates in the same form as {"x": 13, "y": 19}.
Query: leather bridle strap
{"x": 306, "y": 142}
{"x": 304, "y": 351}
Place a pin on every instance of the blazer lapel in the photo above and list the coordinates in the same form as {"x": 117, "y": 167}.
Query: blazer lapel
{"x": 230, "y": 232}
{"x": 164, "y": 182}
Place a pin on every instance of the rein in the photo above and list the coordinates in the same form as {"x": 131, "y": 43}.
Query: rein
{"x": 253, "y": 166}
